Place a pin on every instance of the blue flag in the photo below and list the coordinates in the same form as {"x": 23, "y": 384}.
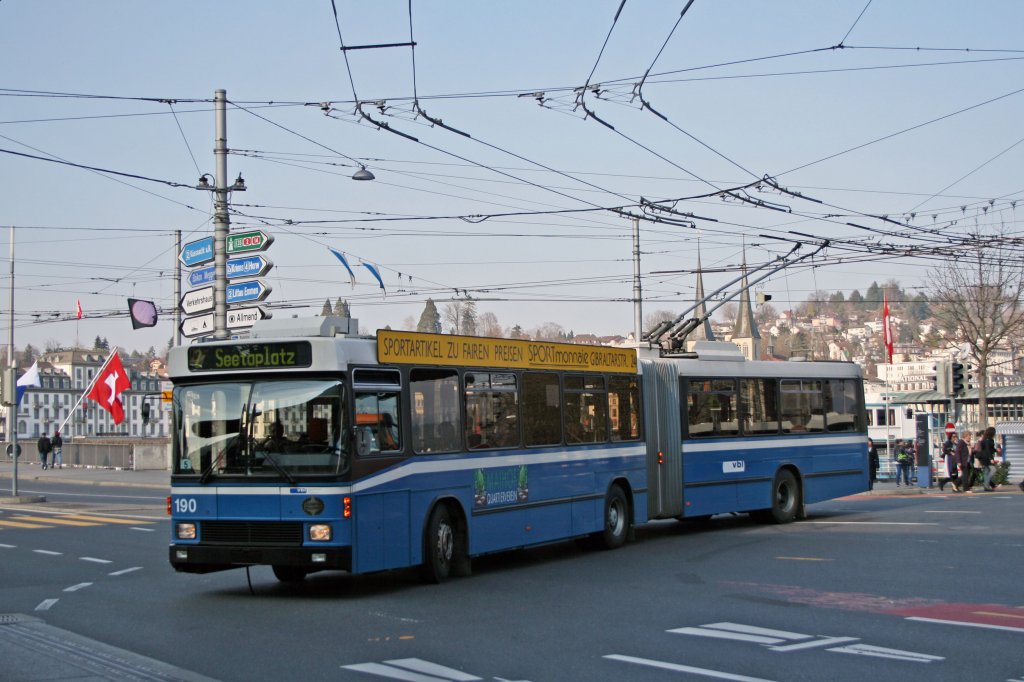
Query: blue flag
{"x": 341, "y": 257}
{"x": 373, "y": 271}
{"x": 29, "y": 378}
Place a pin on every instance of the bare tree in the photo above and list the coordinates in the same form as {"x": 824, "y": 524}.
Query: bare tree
{"x": 487, "y": 325}
{"x": 976, "y": 301}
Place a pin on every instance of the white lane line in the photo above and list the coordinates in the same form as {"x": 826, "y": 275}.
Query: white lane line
{"x": 144, "y": 530}
{"x": 830, "y": 641}
{"x": 47, "y": 552}
{"x": 675, "y": 667}
{"x": 428, "y": 668}
{"x": 986, "y": 626}
{"x": 949, "y": 511}
{"x": 126, "y": 570}
{"x": 754, "y": 630}
{"x": 76, "y": 588}
{"x": 721, "y": 634}
{"x": 8, "y": 546}
{"x": 883, "y": 652}
{"x": 46, "y": 604}
{"x": 868, "y": 523}
{"x": 95, "y": 560}
{"x": 394, "y": 673}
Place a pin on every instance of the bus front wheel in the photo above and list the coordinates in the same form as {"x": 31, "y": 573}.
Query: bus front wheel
{"x": 616, "y": 519}
{"x": 438, "y": 546}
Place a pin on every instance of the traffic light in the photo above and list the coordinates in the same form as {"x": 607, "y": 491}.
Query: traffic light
{"x": 956, "y": 378}
{"x": 972, "y": 376}
{"x": 940, "y": 380}
{"x": 145, "y": 413}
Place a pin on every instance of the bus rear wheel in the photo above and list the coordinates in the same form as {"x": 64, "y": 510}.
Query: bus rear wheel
{"x": 438, "y": 546}
{"x": 290, "y": 574}
{"x": 616, "y": 519}
{"x": 785, "y": 499}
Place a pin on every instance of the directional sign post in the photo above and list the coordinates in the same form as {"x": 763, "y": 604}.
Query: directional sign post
{"x": 247, "y": 291}
{"x": 248, "y": 242}
{"x": 243, "y": 318}
{"x": 197, "y": 278}
{"x": 201, "y": 325}
{"x": 197, "y": 252}
{"x": 248, "y": 266}
{"x": 197, "y": 301}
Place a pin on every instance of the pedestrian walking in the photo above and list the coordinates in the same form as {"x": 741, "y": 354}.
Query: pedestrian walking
{"x": 57, "y": 443}
{"x": 903, "y": 463}
{"x": 873, "y": 463}
{"x": 43, "y": 445}
{"x": 949, "y": 461}
{"x": 963, "y": 461}
{"x": 986, "y": 457}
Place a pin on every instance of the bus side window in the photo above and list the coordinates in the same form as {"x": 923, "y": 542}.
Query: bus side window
{"x": 377, "y": 413}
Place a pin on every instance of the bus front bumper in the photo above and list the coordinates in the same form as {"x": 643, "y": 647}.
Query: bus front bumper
{"x": 208, "y": 559}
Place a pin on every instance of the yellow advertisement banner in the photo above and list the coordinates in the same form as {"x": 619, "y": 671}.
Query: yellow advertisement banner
{"x": 474, "y": 351}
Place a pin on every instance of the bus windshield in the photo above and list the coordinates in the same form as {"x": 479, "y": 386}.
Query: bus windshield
{"x": 278, "y": 429}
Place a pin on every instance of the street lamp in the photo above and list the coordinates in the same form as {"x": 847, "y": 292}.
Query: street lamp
{"x": 363, "y": 174}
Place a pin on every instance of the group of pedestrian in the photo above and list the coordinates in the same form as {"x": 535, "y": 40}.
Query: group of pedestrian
{"x": 904, "y": 456}
{"x": 963, "y": 459}
{"x": 51, "y": 446}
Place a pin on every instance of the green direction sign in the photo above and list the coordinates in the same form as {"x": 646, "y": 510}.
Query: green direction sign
{"x": 246, "y": 242}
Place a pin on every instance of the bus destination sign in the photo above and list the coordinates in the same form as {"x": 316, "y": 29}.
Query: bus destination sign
{"x": 474, "y": 351}
{"x": 250, "y": 356}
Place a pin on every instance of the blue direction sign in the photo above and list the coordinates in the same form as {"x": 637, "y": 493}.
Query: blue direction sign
{"x": 249, "y": 290}
{"x": 249, "y": 266}
{"x": 197, "y": 252}
{"x": 197, "y": 278}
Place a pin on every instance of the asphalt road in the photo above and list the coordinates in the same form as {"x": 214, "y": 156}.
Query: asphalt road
{"x": 922, "y": 587}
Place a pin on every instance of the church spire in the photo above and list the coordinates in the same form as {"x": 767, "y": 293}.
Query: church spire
{"x": 745, "y": 333}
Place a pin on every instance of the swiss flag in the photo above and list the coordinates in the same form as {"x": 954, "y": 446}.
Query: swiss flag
{"x": 110, "y": 384}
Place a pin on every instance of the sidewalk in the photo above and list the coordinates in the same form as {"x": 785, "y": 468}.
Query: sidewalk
{"x": 33, "y": 472}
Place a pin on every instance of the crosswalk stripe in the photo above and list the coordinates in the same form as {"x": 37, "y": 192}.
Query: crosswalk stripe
{"x": 16, "y": 524}
{"x": 103, "y": 519}
{"x": 54, "y": 519}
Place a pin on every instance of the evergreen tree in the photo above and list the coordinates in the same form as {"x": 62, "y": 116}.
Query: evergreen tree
{"x": 430, "y": 319}
{"x": 28, "y": 356}
{"x": 516, "y": 332}
{"x": 98, "y": 343}
{"x": 326, "y": 310}
{"x": 856, "y": 298}
{"x": 469, "y": 318}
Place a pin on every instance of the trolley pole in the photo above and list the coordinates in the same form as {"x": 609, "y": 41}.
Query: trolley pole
{"x": 12, "y": 400}
{"x": 637, "y": 299}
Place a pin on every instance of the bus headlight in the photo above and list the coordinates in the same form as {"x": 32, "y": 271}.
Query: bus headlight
{"x": 186, "y": 531}
{"x": 320, "y": 532}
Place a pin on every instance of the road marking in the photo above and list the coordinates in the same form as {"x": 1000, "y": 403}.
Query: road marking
{"x": 57, "y": 520}
{"x": 103, "y": 519}
{"x": 46, "y": 604}
{"x": 802, "y": 558}
{"x": 882, "y": 652}
{"x": 675, "y": 667}
{"x": 144, "y": 530}
{"x": 8, "y": 546}
{"x": 16, "y": 524}
{"x": 1007, "y": 628}
{"x": 949, "y": 511}
{"x": 1001, "y": 615}
{"x": 787, "y": 642}
{"x": 868, "y": 523}
{"x": 413, "y": 670}
{"x": 76, "y": 588}
{"x": 126, "y": 570}
{"x": 48, "y": 552}
{"x": 95, "y": 560}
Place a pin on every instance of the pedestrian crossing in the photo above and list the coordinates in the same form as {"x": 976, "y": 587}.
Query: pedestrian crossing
{"x": 29, "y": 520}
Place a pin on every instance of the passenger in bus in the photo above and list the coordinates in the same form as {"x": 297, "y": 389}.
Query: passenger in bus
{"x": 276, "y": 442}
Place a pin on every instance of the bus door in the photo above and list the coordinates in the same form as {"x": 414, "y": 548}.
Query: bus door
{"x": 381, "y": 537}
{"x": 664, "y": 439}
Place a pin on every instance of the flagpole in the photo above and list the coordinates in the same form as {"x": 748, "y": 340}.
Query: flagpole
{"x": 88, "y": 389}
{"x": 12, "y": 411}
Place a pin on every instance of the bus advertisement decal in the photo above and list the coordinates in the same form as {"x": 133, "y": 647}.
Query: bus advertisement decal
{"x": 501, "y": 486}
{"x": 474, "y": 351}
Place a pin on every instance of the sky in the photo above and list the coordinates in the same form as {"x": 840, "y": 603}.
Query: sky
{"x": 512, "y": 146}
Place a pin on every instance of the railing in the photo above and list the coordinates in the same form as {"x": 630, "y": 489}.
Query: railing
{"x": 147, "y": 455}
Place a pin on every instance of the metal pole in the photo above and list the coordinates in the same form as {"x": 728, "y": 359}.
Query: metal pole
{"x": 12, "y": 410}
{"x": 177, "y": 288}
{"x": 221, "y": 221}
{"x": 637, "y": 300}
